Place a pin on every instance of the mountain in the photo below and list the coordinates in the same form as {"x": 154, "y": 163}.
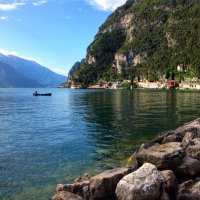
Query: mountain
{"x": 19, "y": 72}
{"x": 9, "y": 77}
{"x": 75, "y": 67}
{"x": 146, "y": 39}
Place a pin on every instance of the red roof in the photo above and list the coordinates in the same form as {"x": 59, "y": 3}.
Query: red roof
{"x": 172, "y": 83}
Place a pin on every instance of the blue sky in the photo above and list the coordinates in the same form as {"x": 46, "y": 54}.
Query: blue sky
{"x": 56, "y": 33}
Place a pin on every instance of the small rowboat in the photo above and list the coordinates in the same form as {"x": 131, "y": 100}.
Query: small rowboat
{"x": 45, "y": 94}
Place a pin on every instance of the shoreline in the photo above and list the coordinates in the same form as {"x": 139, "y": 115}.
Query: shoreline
{"x": 150, "y": 89}
{"x": 127, "y": 84}
{"x": 171, "y": 161}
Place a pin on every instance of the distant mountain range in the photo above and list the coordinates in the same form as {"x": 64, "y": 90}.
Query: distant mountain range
{"x": 19, "y": 72}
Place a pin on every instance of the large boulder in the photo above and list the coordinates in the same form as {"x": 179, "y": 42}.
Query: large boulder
{"x": 193, "y": 149}
{"x": 189, "y": 190}
{"x": 190, "y": 167}
{"x": 147, "y": 183}
{"x": 103, "y": 185}
{"x": 62, "y": 195}
{"x": 164, "y": 156}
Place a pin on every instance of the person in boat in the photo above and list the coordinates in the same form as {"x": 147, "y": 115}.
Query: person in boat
{"x": 36, "y": 93}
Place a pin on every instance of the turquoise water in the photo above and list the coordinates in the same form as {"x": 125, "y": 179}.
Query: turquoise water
{"x": 49, "y": 140}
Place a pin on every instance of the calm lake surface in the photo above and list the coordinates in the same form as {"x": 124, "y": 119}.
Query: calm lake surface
{"x": 49, "y": 140}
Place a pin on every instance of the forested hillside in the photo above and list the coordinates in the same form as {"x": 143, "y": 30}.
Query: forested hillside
{"x": 145, "y": 39}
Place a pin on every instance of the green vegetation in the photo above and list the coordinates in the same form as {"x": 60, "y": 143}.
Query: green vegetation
{"x": 103, "y": 49}
{"x": 166, "y": 31}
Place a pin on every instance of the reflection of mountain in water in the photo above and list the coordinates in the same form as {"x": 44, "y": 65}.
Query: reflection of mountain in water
{"x": 54, "y": 140}
{"x": 125, "y": 119}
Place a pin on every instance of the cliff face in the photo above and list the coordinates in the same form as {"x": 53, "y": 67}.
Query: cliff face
{"x": 144, "y": 37}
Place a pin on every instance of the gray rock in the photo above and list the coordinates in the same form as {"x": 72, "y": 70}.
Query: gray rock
{"x": 75, "y": 188}
{"x": 147, "y": 183}
{"x": 193, "y": 149}
{"x": 193, "y": 127}
{"x": 62, "y": 195}
{"x": 163, "y": 156}
{"x": 189, "y": 190}
{"x": 148, "y": 145}
{"x": 85, "y": 177}
{"x": 190, "y": 167}
{"x": 172, "y": 138}
{"x": 189, "y": 136}
{"x": 158, "y": 140}
{"x": 160, "y": 137}
{"x": 171, "y": 182}
{"x": 86, "y": 192}
{"x": 104, "y": 184}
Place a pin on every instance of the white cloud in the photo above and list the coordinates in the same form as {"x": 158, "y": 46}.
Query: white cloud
{"x": 11, "y": 6}
{"x": 3, "y": 18}
{"x": 38, "y": 3}
{"x": 106, "y": 5}
{"x": 7, "y": 53}
{"x": 15, "y": 4}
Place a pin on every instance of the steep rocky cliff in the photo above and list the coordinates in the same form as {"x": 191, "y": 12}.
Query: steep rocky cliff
{"x": 146, "y": 38}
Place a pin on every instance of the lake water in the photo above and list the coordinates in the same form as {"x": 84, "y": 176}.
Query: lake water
{"x": 49, "y": 140}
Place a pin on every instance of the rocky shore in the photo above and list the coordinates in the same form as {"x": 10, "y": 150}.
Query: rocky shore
{"x": 166, "y": 168}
